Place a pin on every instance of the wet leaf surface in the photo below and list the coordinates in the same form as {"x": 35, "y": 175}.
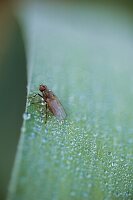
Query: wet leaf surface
{"x": 84, "y": 55}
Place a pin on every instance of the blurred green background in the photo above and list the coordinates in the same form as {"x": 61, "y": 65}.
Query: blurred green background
{"x": 13, "y": 83}
{"x": 12, "y": 89}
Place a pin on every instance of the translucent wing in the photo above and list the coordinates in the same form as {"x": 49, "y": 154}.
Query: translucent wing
{"x": 56, "y": 108}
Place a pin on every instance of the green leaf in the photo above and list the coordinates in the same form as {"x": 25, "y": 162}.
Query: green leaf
{"x": 84, "y": 55}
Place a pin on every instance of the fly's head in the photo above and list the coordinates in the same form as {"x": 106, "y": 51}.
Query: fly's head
{"x": 43, "y": 88}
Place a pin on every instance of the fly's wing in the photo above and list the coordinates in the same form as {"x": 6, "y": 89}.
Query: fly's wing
{"x": 56, "y": 108}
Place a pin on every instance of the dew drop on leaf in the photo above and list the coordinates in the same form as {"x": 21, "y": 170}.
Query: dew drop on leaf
{"x": 26, "y": 116}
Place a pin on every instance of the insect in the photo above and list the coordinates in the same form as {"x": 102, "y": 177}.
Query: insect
{"x": 52, "y": 102}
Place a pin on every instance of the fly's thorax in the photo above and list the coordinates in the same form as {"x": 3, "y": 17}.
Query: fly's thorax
{"x": 47, "y": 94}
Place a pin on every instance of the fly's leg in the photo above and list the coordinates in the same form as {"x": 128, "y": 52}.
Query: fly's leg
{"x": 46, "y": 117}
{"x": 35, "y": 96}
{"x": 38, "y": 95}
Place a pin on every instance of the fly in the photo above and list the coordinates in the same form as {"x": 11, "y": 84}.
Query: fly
{"x": 52, "y": 103}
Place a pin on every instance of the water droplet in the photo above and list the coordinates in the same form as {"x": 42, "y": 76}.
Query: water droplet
{"x": 89, "y": 185}
{"x": 37, "y": 128}
{"x": 88, "y": 176}
{"x": 113, "y": 164}
{"x": 32, "y": 135}
{"x": 95, "y": 134}
{"x": 72, "y": 193}
{"x": 85, "y": 194}
{"x": 119, "y": 128}
{"x": 26, "y": 116}
{"x": 43, "y": 140}
{"x": 46, "y": 130}
{"x": 77, "y": 169}
{"x": 109, "y": 153}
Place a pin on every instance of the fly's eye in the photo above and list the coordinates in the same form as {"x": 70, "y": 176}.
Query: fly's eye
{"x": 42, "y": 88}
